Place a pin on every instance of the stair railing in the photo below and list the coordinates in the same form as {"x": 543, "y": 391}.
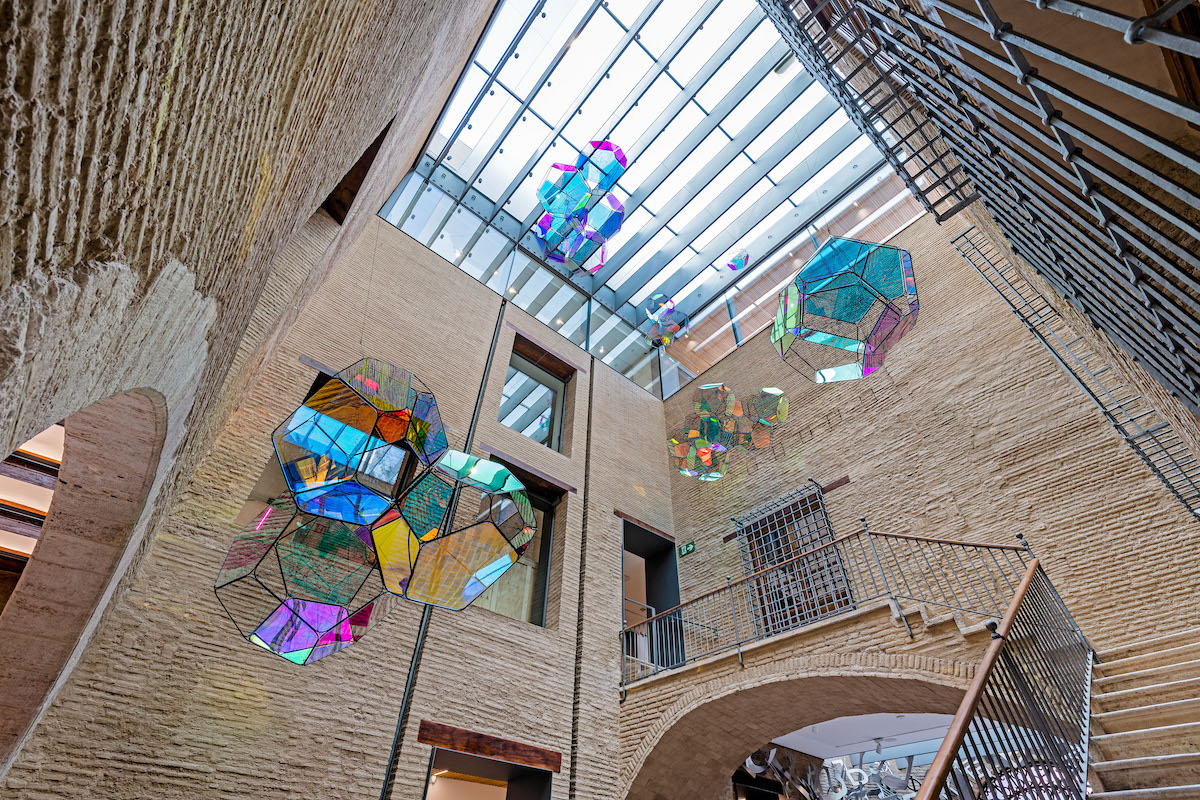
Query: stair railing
{"x": 824, "y": 581}
{"x": 1022, "y": 727}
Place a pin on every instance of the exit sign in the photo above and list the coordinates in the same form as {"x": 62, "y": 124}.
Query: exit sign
{"x": 684, "y": 549}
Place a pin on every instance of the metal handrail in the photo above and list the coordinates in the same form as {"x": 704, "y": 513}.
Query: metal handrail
{"x": 1022, "y": 726}
{"x": 824, "y": 581}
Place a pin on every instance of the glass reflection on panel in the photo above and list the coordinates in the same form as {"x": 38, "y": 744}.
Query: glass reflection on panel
{"x": 532, "y": 402}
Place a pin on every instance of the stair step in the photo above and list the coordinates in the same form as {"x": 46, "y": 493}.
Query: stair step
{"x": 1155, "y": 715}
{"x": 1184, "y": 738}
{"x": 1149, "y": 772}
{"x": 1167, "y": 673}
{"x": 1191, "y": 792}
{"x": 1171, "y": 655}
{"x": 1103, "y": 702}
{"x": 1151, "y": 645}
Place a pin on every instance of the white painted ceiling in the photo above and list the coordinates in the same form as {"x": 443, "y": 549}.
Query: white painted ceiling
{"x": 849, "y": 735}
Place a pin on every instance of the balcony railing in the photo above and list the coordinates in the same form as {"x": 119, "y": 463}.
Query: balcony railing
{"x": 1022, "y": 727}
{"x": 834, "y": 578}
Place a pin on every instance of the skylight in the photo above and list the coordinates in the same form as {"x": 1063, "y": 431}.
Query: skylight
{"x": 731, "y": 146}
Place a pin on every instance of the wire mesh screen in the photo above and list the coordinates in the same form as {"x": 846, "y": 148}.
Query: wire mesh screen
{"x": 812, "y": 586}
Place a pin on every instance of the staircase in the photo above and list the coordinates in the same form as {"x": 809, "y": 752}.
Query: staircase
{"x": 1145, "y": 720}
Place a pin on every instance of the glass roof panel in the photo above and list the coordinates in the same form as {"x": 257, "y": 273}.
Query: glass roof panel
{"x": 665, "y": 25}
{"x": 549, "y": 32}
{"x": 730, "y": 145}
{"x": 701, "y": 47}
{"x": 739, "y": 64}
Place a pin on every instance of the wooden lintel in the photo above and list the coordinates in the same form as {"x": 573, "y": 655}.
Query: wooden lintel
{"x": 640, "y": 524}
{"x": 462, "y": 740}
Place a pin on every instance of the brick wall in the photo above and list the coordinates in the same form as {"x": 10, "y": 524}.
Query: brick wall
{"x": 157, "y": 160}
{"x": 970, "y": 431}
{"x": 684, "y": 733}
{"x": 168, "y": 700}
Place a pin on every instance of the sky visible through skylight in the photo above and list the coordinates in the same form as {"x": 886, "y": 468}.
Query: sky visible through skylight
{"x": 731, "y": 146}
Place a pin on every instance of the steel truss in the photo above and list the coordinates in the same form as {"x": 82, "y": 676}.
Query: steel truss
{"x": 1081, "y": 192}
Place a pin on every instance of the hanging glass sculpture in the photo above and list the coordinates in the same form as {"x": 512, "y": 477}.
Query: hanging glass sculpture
{"x": 849, "y": 305}
{"x": 448, "y": 563}
{"x": 667, "y": 323}
{"x": 580, "y": 214}
{"x": 301, "y": 586}
{"x": 739, "y": 261}
{"x": 718, "y": 424}
{"x": 343, "y": 449}
{"x": 367, "y": 519}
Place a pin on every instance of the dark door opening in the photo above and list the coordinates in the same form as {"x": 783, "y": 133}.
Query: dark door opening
{"x": 651, "y": 593}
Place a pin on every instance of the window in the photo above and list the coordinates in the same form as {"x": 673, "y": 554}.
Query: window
{"x": 522, "y": 593}
{"x": 28, "y": 477}
{"x": 534, "y": 397}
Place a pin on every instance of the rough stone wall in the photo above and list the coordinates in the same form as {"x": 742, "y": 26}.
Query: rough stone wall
{"x": 970, "y": 431}
{"x": 155, "y": 160}
{"x": 168, "y": 701}
{"x": 684, "y": 732}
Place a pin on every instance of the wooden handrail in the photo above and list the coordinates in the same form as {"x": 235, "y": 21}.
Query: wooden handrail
{"x": 816, "y": 549}
{"x": 939, "y": 770}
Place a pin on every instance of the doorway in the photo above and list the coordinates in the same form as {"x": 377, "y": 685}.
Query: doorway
{"x": 650, "y": 581}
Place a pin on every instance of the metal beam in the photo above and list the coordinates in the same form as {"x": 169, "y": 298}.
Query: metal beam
{"x": 776, "y": 196}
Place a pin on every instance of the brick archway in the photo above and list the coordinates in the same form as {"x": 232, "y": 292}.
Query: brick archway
{"x": 110, "y": 458}
{"x": 695, "y": 745}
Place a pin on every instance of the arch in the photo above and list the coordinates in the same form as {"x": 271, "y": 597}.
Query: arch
{"x": 110, "y": 458}
{"x": 696, "y": 744}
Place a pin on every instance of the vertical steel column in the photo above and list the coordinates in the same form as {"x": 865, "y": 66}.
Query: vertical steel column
{"x": 389, "y": 775}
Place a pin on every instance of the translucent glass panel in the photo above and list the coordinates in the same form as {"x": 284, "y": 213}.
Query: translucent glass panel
{"x": 728, "y": 143}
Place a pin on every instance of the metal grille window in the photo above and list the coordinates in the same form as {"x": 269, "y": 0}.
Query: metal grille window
{"x": 812, "y": 586}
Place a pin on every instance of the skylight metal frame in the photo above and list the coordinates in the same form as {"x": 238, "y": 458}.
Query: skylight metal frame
{"x": 693, "y": 271}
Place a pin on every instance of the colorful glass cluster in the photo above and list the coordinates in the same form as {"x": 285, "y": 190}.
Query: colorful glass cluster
{"x": 667, "y": 323}
{"x": 450, "y": 562}
{"x": 580, "y": 213}
{"x": 342, "y": 450}
{"x": 301, "y": 586}
{"x": 739, "y": 261}
{"x": 719, "y": 422}
{"x": 851, "y": 300}
{"x": 368, "y": 519}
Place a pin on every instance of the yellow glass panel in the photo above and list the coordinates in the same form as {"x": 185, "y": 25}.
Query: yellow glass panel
{"x": 396, "y": 548}
{"x": 454, "y": 570}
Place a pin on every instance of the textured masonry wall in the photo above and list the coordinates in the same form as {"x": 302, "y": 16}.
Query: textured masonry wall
{"x": 970, "y": 431}
{"x": 155, "y": 160}
{"x": 169, "y": 701}
{"x": 1185, "y": 423}
{"x": 685, "y": 732}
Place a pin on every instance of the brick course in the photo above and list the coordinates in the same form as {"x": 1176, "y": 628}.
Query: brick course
{"x": 970, "y": 431}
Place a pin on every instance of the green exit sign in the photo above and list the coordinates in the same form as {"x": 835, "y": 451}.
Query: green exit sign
{"x": 684, "y": 549}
